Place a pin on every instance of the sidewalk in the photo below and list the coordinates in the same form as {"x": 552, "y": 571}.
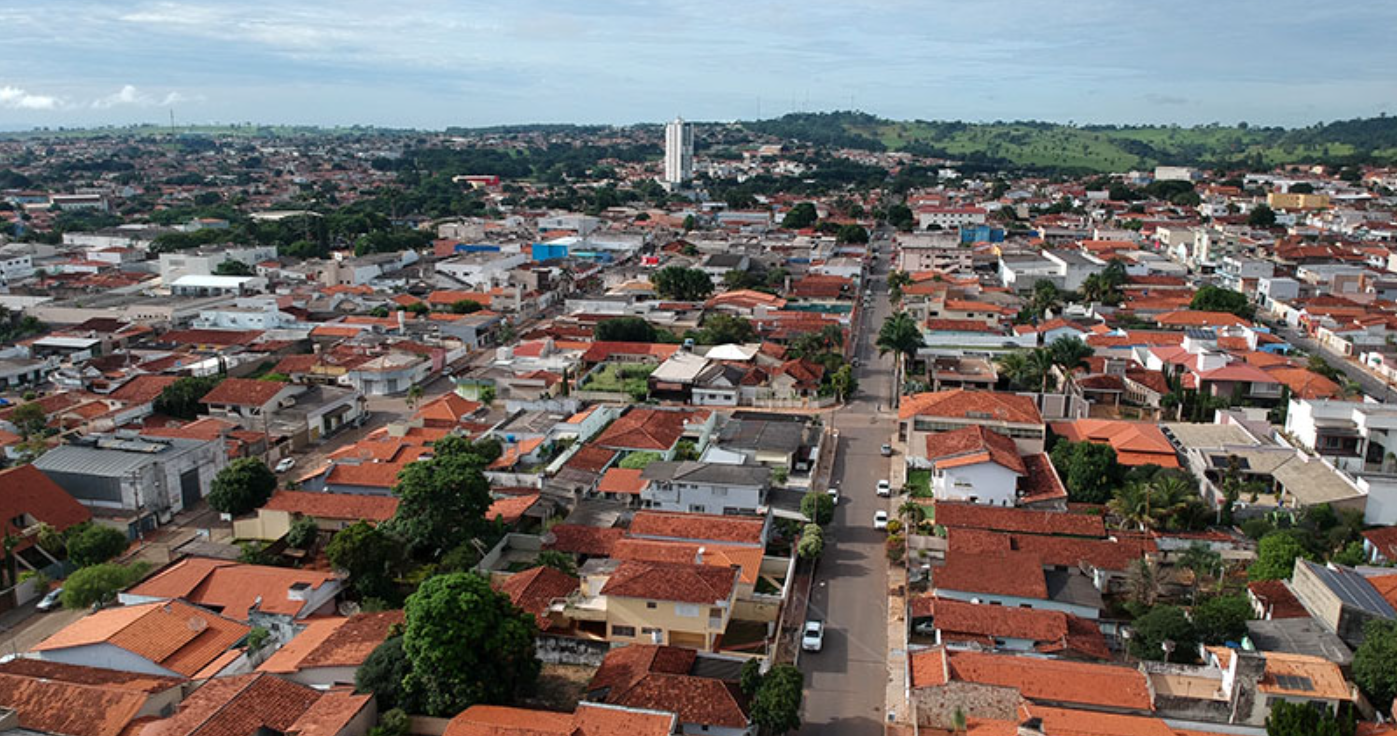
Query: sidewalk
{"x": 896, "y": 700}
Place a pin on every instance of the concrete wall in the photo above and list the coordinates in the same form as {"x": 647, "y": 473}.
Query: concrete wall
{"x": 567, "y": 650}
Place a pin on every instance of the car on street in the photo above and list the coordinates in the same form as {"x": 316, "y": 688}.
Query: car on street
{"x": 813, "y": 638}
{"x": 285, "y": 464}
{"x": 880, "y": 520}
{"x": 52, "y": 601}
{"x": 886, "y": 449}
{"x": 885, "y": 488}
{"x": 833, "y": 492}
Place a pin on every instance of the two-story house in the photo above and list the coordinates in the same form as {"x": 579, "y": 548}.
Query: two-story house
{"x": 633, "y": 602}
{"x": 939, "y": 411}
{"x": 705, "y": 487}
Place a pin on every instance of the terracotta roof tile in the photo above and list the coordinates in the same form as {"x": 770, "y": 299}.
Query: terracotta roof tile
{"x": 243, "y": 392}
{"x": 142, "y": 389}
{"x": 174, "y": 635}
{"x": 1276, "y": 600}
{"x": 583, "y": 540}
{"x": 626, "y": 481}
{"x": 684, "y": 583}
{"x": 1016, "y": 574}
{"x": 231, "y": 587}
{"x": 80, "y": 675}
{"x": 589, "y": 719}
{"x": 1036, "y": 679}
{"x": 336, "y": 506}
{"x": 973, "y": 445}
{"x": 699, "y": 527}
{"x": 974, "y": 405}
{"x": 978, "y": 516}
{"x": 29, "y": 492}
{"x": 53, "y": 706}
{"x": 237, "y": 706}
{"x": 648, "y": 429}
{"x": 746, "y": 559}
{"x": 533, "y": 590}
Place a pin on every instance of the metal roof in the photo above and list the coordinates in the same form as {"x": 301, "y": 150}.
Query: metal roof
{"x": 111, "y": 456}
{"x": 1352, "y": 589}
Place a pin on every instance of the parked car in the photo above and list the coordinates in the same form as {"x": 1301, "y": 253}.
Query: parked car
{"x": 52, "y": 601}
{"x": 814, "y": 637}
{"x": 833, "y": 492}
{"x": 887, "y": 450}
{"x": 880, "y": 520}
{"x": 285, "y": 464}
{"x": 885, "y": 488}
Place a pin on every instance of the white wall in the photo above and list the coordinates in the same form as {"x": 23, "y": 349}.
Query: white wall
{"x": 990, "y": 483}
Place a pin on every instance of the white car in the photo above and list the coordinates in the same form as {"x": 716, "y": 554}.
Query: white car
{"x": 285, "y": 464}
{"x": 833, "y": 492}
{"x": 813, "y": 639}
{"x": 52, "y": 601}
{"x": 885, "y": 488}
{"x": 880, "y": 520}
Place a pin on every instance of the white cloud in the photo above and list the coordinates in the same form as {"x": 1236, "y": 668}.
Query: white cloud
{"x": 19, "y": 99}
{"x": 130, "y": 96}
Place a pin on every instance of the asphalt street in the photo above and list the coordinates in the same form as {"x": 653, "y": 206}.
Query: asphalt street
{"x": 846, "y": 681}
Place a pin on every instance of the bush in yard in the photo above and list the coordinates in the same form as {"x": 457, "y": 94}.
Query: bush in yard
{"x": 92, "y": 544}
{"x": 100, "y": 583}
{"x": 242, "y": 487}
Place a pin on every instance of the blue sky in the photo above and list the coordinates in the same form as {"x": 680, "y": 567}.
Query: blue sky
{"x": 434, "y": 63}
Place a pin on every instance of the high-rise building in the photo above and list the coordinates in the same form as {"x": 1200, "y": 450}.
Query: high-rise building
{"x": 679, "y": 151}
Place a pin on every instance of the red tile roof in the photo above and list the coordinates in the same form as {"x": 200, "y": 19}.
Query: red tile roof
{"x": 334, "y": 642}
{"x": 53, "y": 706}
{"x": 1016, "y": 574}
{"x": 336, "y": 506}
{"x": 648, "y": 429}
{"x": 142, "y": 389}
{"x": 28, "y": 492}
{"x": 973, "y": 405}
{"x": 176, "y": 636}
{"x": 680, "y": 525}
{"x": 978, "y": 516}
{"x": 683, "y": 583}
{"x": 1135, "y": 443}
{"x": 534, "y": 589}
{"x": 591, "y": 458}
{"x": 231, "y": 587}
{"x": 971, "y": 446}
{"x": 626, "y": 481}
{"x": 589, "y": 719}
{"x": 1276, "y": 600}
{"x": 238, "y": 706}
{"x": 80, "y": 675}
{"x": 243, "y": 392}
{"x": 583, "y": 540}
{"x": 1041, "y": 483}
{"x": 1039, "y": 680}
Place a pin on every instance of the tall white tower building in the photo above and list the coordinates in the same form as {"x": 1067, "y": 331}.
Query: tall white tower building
{"x": 679, "y": 151}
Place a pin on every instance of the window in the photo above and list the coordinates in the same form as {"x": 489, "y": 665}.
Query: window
{"x": 653, "y": 632}
{"x": 618, "y": 630}
{"x": 697, "y": 508}
{"x": 687, "y": 610}
{"x": 651, "y": 604}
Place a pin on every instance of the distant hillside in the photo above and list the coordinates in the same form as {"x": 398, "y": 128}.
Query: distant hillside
{"x": 1050, "y": 146}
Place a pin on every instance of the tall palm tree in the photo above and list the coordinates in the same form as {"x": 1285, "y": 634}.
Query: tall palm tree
{"x": 1014, "y": 367}
{"x": 899, "y": 334}
{"x": 1132, "y": 506}
{"x": 897, "y": 280}
{"x": 1040, "y": 367}
{"x": 1069, "y": 354}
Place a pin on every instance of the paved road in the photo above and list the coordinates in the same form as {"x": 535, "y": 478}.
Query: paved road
{"x": 846, "y": 682}
{"x": 1371, "y": 384}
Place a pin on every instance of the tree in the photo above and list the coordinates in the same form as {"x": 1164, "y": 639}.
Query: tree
{"x": 1222, "y": 619}
{"x": 242, "y": 486}
{"x": 181, "y": 398}
{"x": 900, "y": 216}
{"x": 1016, "y": 368}
{"x": 1303, "y": 719}
{"x": 383, "y": 674}
{"x": 100, "y": 583}
{"x": 1089, "y": 470}
{"x": 465, "y": 306}
{"x": 899, "y": 334}
{"x": 776, "y": 707}
{"x": 722, "y": 329}
{"x": 751, "y": 677}
{"x": 467, "y": 644}
{"x": 442, "y": 501}
{"x": 1202, "y": 561}
{"x": 1210, "y": 298}
{"x": 817, "y": 507}
{"x": 690, "y": 222}
{"x": 897, "y": 281}
{"x": 799, "y": 217}
{"x": 414, "y": 395}
{"x": 231, "y": 267}
{"x": 303, "y": 533}
{"x": 624, "y": 329}
{"x": 560, "y": 561}
{"x": 1262, "y": 216}
{"x": 682, "y": 284}
{"x": 851, "y": 233}
{"x": 1164, "y": 627}
{"x": 1150, "y": 504}
{"x": 1046, "y": 296}
{"x": 92, "y": 544}
{"x": 1373, "y": 663}
{"x": 1068, "y": 354}
{"x": 1275, "y": 556}
{"x": 369, "y": 556}
{"x": 812, "y": 542}
{"x": 29, "y": 419}
{"x": 843, "y": 382}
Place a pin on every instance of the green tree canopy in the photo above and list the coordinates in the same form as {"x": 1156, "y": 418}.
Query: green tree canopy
{"x": 1089, "y": 470}
{"x": 1375, "y": 661}
{"x": 370, "y": 556}
{"x": 1303, "y": 719}
{"x": 852, "y": 233}
{"x": 721, "y": 329}
{"x": 776, "y": 707}
{"x": 1211, "y": 298}
{"x": 303, "y": 533}
{"x": 682, "y": 284}
{"x": 1275, "y": 556}
{"x": 624, "y": 329}
{"x": 812, "y": 542}
{"x": 1261, "y": 216}
{"x": 29, "y": 419}
{"x": 899, "y": 334}
{"x": 383, "y": 674}
{"x": 242, "y": 486}
{"x": 441, "y": 501}
{"x": 181, "y": 398}
{"x": 639, "y": 460}
{"x": 467, "y": 644}
{"x": 231, "y": 267}
{"x": 1222, "y": 619}
{"x": 817, "y": 507}
{"x": 92, "y": 544}
{"x": 801, "y": 216}
{"x": 98, "y": 583}
{"x": 1160, "y": 625}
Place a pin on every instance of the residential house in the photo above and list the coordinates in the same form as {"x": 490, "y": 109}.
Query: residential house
{"x": 260, "y": 703}
{"x": 1344, "y": 599}
{"x": 267, "y": 596}
{"x": 48, "y": 697}
{"x": 1009, "y": 414}
{"x": 988, "y": 627}
{"x": 328, "y": 651}
{"x": 588, "y": 719}
{"x": 656, "y": 430}
{"x": 166, "y": 638}
{"x": 661, "y": 678}
{"x": 1014, "y": 579}
{"x": 980, "y": 465}
{"x": 330, "y": 511}
{"x": 684, "y": 605}
{"x": 705, "y": 487}
{"x": 1135, "y": 443}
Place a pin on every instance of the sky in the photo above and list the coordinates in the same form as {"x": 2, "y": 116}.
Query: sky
{"x": 437, "y": 63}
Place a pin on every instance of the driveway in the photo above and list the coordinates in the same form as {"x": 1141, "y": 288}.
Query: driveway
{"x": 846, "y": 682}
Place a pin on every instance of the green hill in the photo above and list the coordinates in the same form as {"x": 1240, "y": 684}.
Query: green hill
{"x": 1051, "y": 146}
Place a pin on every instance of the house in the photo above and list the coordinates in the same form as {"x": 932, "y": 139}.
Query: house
{"x": 535, "y": 590}
{"x": 588, "y": 719}
{"x": 692, "y": 527}
{"x": 240, "y": 591}
{"x": 1135, "y": 443}
{"x": 32, "y": 498}
{"x": 249, "y": 402}
{"x": 1009, "y": 414}
{"x": 260, "y": 703}
{"x": 963, "y": 625}
{"x": 1341, "y": 598}
{"x": 655, "y": 430}
{"x": 771, "y": 440}
{"x": 1014, "y": 579}
{"x": 148, "y": 479}
{"x": 330, "y": 511}
{"x": 980, "y": 465}
{"x": 626, "y": 601}
{"x": 328, "y": 651}
{"x": 165, "y": 638}
{"x": 705, "y": 487}
{"x": 46, "y": 697}
{"x": 659, "y": 678}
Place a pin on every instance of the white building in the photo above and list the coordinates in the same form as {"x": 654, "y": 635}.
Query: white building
{"x": 949, "y": 217}
{"x": 705, "y": 488}
{"x": 15, "y": 266}
{"x": 679, "y": 151}
{"x": 205, "y": 261}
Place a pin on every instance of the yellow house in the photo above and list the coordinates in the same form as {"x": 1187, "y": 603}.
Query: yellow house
{"x": 677, "y": 604}
{"x": 1294, "y": 201}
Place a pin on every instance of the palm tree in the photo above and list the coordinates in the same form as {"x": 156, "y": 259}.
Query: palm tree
{"x": 1069, "y": 354}
{"x": 1349, "y": 388}
{"x": 1046, "y": 296}
{"x": 899, "y": 334}
{"x": 1040, "y": 367}
{"x": 414, "y": 395}
{"x": 1132, "y": 505}
{"x": 1014, "y": 367}
{"x": 913, "y": 512}
{"x": 1095, "y": 288}
{"x": 1202, "y": 561}
{"x": 897, "y": 280}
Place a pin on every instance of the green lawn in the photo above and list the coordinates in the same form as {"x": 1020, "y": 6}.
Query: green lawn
{"x": 613, "y": 377}
{"x": 919, "y": 483}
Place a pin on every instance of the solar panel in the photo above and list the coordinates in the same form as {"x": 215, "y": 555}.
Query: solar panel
{"x": 1295, "y": 683}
